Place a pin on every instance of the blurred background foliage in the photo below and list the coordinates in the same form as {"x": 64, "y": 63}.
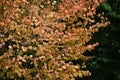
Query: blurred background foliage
{"x": 105, "y": 63}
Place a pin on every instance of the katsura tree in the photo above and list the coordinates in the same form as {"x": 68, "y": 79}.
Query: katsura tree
{"x": 39, "y": 39}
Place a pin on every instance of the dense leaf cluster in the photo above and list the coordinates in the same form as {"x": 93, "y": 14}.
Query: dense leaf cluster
{"x": 38, "y": 40}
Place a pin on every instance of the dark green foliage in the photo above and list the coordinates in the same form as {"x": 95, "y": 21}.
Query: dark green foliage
{"x": 105, "y": 64}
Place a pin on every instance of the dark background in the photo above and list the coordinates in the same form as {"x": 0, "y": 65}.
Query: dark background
{"x": 105, "y": 64}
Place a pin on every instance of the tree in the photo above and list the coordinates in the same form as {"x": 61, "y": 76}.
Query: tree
{"x": 39, "y": 39}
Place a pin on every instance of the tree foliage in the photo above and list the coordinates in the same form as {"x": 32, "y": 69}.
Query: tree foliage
{"x": 39, "y": 38}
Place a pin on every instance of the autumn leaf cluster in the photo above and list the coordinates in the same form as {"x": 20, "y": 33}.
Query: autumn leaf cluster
{"x": 40, "y": 38}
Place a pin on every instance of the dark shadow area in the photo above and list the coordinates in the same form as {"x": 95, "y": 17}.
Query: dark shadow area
{"x": 105, "y": 64}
